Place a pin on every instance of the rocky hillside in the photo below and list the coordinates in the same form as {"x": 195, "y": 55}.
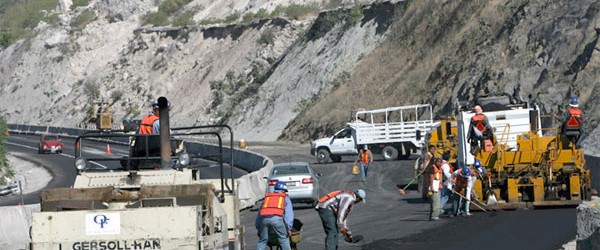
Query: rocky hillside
{"x": 298, "y": 75}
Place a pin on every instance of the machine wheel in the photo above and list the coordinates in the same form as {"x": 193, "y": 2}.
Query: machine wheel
{"x": 389, "y": 153}
{"x": 322, "y": 155}
{"x": 335, "y": 158}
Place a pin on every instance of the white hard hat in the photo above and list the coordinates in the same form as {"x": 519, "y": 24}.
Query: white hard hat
{"x": 362, "y": 194}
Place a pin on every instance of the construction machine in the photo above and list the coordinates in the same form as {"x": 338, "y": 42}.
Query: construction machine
{"x": 527, "y": 164}
{"x": 152, "y": 198}
{"x": 100, "y": 116}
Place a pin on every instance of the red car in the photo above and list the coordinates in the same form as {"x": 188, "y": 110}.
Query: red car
{"x": 50, "y": 143}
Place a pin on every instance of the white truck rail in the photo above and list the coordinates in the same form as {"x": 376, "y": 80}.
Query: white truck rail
{"x": 396, "y": 124}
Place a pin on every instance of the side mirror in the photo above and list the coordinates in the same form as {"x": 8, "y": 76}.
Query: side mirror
{"x": 265, "y": 178}
{"x": 318, "y": 175}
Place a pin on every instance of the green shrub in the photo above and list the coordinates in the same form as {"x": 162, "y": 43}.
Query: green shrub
{"x": 77, "y": 3}
{"x": 171, "y": 6}
{"x": 116, "y": 95}
{"x": 184, "y": 19}
{"x": 260, "y": 14}
{"x": 233, "y": 17}
{"x": 18, "y": 18}
{"x": 155, "y": 18}
{"x": 295, "y": 11}
{"x": 267, "y": 37}
{"x": 91, "y": 90}
{"x": 86, "y": 17}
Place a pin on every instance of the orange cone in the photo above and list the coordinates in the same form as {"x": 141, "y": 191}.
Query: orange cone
{"x": 108, "y": 149}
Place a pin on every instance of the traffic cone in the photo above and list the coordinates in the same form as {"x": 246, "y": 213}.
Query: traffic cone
{"x": 108, "y": 149}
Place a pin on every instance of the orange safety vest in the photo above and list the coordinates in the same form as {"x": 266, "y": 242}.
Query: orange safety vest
{"x": 364, "y": 156}
{"x": 478, "y": 118}
{"x": 332, "y": 194}
{"x": 575, "y": 114}
{"x": 437, "y": 171}
{"x": 274, "y": 204}
{"x": 146, "y": 125}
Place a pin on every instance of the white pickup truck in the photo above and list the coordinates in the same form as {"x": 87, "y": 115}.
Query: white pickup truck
{"x": 393, "y": 132}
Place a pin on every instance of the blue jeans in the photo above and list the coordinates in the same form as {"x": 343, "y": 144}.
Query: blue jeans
{"x": 363, "y": 171}
{"x": 446, "y": 196}
{"x": 276, "y": 223}
{"x": 331, "y": 229}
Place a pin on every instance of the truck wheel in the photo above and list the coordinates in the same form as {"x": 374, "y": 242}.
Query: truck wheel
{"x": 389, "y": 153}
{"x": 322, "y": 156}
{"x": 335, "y": 158}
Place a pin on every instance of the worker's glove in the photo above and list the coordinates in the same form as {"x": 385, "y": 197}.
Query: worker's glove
{"x": 344, "y": 230}
{"x": 430, "y": 193}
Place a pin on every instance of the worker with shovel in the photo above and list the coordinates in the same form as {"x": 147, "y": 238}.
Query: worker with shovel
{"x": 333, "y": 210}
{"x": 464, "y": 184}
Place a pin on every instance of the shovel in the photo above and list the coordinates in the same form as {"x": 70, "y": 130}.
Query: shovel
{"x": 492, "y": 196}
{"x": 353, "y": 239}
{"x": 474, "y": 203}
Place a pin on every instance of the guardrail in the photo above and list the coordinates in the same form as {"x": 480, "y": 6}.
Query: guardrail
{"x": 250, "y": 187}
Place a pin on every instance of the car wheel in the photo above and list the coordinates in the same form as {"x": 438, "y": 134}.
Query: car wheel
{"x": 335, "y": 158}
{"x": 389, "y": 153}
{"x": 323, "y": 156}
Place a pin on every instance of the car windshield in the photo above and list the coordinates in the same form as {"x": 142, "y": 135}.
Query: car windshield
{"x": 293, "y": 169}
{"x": 50, "y": 138}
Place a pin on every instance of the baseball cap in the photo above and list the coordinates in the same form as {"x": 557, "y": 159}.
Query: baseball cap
{"x": 362, "y": 194}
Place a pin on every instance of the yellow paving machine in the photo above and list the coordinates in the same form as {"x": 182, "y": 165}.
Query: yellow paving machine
{"x": 527, "y": 165}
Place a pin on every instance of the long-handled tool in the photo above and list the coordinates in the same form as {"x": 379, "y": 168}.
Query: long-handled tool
{"x": 462, "y": 196}
{"x": 401, "y": 190}
{"x": 491, "y": 196}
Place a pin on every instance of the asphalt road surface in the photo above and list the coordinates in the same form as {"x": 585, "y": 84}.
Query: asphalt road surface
{"x": 390, "y": 221}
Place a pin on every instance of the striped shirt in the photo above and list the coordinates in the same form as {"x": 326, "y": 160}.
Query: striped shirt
{"x": 341, "y": 205}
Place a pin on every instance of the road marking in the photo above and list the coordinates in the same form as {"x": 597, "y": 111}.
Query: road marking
{"x": 63, "y": 154}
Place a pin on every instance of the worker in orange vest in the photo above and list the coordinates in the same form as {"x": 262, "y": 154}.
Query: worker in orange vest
{"x": 333, "y": 210}
{"x": 150, "y": 123}
{"x": 573, "y": 124}
{"x": 434, "y": 173}
{"x": 479, "y": 130}
{"x": 365, "y": 157}
{"x": 275, "y": 213}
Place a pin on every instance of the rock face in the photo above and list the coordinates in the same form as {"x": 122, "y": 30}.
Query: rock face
{"x": 297, "y": 80}
{"x": 588, "y": 223}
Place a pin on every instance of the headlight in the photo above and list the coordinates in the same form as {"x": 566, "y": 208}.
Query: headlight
{"x": 80, "y": 164}
{"x": 184, "y": 159}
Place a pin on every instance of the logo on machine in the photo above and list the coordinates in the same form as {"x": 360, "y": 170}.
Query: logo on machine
{"x": 103, "y": 223}
{"x": 101, "y": 220}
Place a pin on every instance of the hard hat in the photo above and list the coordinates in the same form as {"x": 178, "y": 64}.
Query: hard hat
{"x": 280, "y": 185}
{"x": 574, "y": 102}
{"x": 481, "y": 170}
{"x": 465, "y": 172}
{"x": 362, "y": 194}
{"x": 365, "y": 147}
{"x": 477, "y": 163}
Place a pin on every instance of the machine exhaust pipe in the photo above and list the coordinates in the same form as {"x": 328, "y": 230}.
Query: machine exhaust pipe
{"x": 165, "y": 133}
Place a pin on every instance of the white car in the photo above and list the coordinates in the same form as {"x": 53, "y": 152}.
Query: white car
{"x": 300, "y": 178}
